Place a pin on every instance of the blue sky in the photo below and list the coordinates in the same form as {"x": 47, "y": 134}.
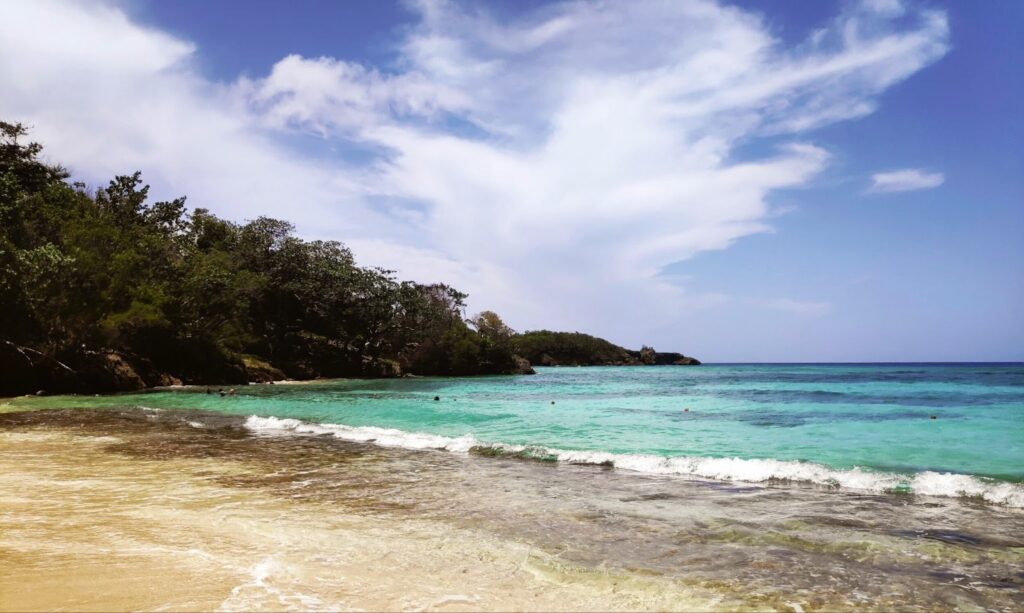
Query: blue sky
{"x": 743, "y": 181}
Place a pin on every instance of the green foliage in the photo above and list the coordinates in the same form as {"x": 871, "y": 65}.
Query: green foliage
{"x": 189, "y": 294}
{"x": 568, "y": 348}
{"x": 490, "y": 326}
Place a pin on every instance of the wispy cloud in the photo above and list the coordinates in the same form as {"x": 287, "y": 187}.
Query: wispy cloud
{"x": 906, "y": 180}
{"x": 550, "y": 165}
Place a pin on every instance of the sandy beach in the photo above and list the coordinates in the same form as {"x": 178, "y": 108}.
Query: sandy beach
{"x": 173, "y": 510}
{"x": 89, "y": 525}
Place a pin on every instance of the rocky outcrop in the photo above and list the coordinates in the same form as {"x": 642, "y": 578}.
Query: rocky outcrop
{"x": 648, "y": 356}
{"x": 107, "y": 371}
{"x": 27, "y": 371}
{"x": 522, "y": 367}
{"x": 679, "y": 359}
{"x": 24, "y": 370}
{"x": 261, "y": 371}
{"x": 381, "y": 368}
{"x": 675, "y": 359}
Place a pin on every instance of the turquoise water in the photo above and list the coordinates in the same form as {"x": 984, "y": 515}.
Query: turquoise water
{"x": 856, "y": 425}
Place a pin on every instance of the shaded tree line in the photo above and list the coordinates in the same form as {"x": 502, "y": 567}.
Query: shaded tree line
{"x": 547, "y": 348}
{"x": 106, "y": 290}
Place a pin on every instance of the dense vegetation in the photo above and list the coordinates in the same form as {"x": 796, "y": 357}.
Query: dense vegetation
{"x": 548, "y": 348}
{"x": 568, "y": 348}
{"x": 104, "y": 291}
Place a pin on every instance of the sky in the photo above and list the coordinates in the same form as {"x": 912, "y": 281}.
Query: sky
{"x": 738, "y": 181}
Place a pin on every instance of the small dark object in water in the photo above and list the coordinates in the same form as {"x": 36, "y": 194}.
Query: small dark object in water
{"x": 437, "y": 397}
{"x": 552, "y": 402}
{"x": 222, "y": 393}
{"x": 686, "y": 410}
{"x": 933, "y": 417}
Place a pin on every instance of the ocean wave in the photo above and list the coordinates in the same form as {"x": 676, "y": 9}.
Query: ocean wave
{"x": 927, "y": 483}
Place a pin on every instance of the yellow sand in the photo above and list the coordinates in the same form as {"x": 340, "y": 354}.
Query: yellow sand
{"x": 82, "y": 528}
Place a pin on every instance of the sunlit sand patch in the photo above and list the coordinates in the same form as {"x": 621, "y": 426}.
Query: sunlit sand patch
{"x": 85, "y": 529}
{"x": 131, "y": 509}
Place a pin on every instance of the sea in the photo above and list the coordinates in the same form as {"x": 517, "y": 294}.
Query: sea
{"x": 932, "y": 429}
{"x": 789, "y": 487}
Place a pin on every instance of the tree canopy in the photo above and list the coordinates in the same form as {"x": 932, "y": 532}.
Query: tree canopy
{"x": 103, "y": 288}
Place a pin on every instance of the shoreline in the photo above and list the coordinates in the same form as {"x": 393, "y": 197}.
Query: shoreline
{"x": 366, "y": 554}
{"x": 994, "y": 490}
{"x": 315, "y": 380}
{"x": 761, "y": 472}
{"x": 555, "y": 537}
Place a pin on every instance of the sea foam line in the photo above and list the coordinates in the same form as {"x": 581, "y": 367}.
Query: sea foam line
{"x": 928, "y": 483}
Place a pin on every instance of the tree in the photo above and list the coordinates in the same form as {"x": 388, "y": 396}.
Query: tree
{"x": 491, "y": 327}
{"x": 192, "y": 296}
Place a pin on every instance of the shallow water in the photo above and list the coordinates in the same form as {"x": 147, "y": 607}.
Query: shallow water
{"x": 861, "y": 427}
{"x": 173, "y": 509}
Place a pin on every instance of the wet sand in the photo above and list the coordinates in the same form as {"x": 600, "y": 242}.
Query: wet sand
{"x": 174, "y": 510}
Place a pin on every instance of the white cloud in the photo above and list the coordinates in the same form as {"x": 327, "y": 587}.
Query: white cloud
{"x": 328, "y": 94}
{"x": 550, "y": 165}
{"x": 906, "y": 180}
{"x": 107, "y": 96}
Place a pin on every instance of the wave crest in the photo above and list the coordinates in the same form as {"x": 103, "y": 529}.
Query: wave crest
{"x": 928, "y": 483}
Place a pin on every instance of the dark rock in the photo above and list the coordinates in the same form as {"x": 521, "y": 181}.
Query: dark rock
{"x": 19, "y": 373}
{"x": 522, "y": 367}
{"x": 25, "y": 370}
{"x": 165, "y": 380}
{"x": 102, "y": 372}
{"x": 261, "y": 371}
{"x": 382, "y": 368}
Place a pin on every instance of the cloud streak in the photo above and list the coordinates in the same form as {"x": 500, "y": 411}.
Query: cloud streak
{"x": 550, "y": 165}
{"x": 907, "y": 180}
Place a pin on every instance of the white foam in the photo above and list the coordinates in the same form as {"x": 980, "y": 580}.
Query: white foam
{"x": 260, "y": 593}
{"x": 385, "y": 437}
{"x": 927, "y": 483}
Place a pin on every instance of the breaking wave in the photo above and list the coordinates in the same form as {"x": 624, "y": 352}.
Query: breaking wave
{"x": 928, "y": 483}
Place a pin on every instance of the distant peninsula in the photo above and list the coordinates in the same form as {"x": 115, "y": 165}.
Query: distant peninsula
{"x": 546, "y": 348}
{"x": 102, "y": 291}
